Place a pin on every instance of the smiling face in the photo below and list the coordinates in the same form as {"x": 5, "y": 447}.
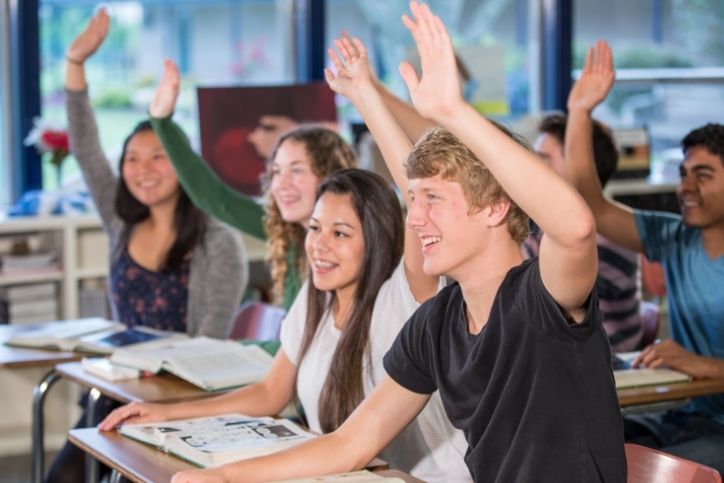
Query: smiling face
{"x": 293, "y": 183}
{"x": 335, "y": 244}
{"x": 449, "y": 233}
{"x": 701, "y": 190}
{"x": 147, "y": 171}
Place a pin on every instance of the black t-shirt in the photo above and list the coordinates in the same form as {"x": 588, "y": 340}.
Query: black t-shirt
{"x": 534, "y": 394}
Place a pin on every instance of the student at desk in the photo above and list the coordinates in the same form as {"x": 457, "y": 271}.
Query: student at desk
{"x": 171, "y": 266}
{"x": 691, "y": 248}
{"x": 301, "y": 159}
{"x": 619, "y": 276}
{"x": 515, "y": 348}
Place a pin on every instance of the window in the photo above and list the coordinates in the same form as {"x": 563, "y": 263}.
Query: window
{"x": 492, "y": 37}
{"x": 5, "y": 151}
{"x": 213, "y": 42}
{"x": 669, "y": 56}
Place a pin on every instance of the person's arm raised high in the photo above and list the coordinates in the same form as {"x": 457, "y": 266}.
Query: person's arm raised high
{"x": 355, "y": 81}
{"x": 201, "y": 183}
{"x": 614, "y": 221}
{"x": 568, "y": 261}
{"x": 84, "y": 138}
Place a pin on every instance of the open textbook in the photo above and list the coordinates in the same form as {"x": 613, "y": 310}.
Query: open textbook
{"x": 627, "y": 376}
{"x": 362, "y": 476}
{"x": 217, "y": 440}
{"x": 93, "y": 335}
{"x": 211, "y": 364}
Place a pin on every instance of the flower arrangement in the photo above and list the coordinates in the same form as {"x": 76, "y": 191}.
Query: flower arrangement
{"x": 51, "y": 141}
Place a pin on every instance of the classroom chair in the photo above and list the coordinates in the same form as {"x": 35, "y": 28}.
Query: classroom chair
{"x": 647, "y": 465}
{"x": 257, "y": 321}
{"x": 649, "y": 322}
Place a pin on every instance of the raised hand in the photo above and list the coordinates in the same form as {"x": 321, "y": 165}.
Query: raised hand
{"x": 437, "y": 94}
{"x": 353, "y": 69}
{"x": 596, "y": 79}
{"x": 164, "y": 100}
{"x": 88, "y": 41}
{"x": 134, "y": 413}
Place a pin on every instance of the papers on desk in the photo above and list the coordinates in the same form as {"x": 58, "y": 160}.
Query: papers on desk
{"x": 214, "y": 441}
{"x": 210, "y": 364}
{"x": 627, "y": 377}
{"x": 103, "y": 368}
{"x": 93, "y": 335}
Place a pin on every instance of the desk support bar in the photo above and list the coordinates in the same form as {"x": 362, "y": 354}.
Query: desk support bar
{"x": 38, "y": 435}
{"x": 92, "y": 467}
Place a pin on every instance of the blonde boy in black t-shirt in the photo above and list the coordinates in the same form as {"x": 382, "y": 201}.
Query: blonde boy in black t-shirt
{"x": 515, "y": 348}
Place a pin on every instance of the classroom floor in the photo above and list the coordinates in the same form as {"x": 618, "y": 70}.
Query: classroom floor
{"x": 16, "y": 469}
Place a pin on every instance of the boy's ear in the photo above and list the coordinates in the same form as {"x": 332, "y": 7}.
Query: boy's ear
{"x": 495, "y": 213}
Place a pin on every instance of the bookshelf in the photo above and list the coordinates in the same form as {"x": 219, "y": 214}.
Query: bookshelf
{"x": 81, "y": 250}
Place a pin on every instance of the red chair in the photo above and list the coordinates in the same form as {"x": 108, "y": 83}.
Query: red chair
{"x": 646, "y": 465}
{"x": 257, "y": 321}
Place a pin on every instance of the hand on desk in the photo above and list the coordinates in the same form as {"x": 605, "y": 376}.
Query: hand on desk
{"x": 670, "y": 354}
{"x": 135, "y": 413}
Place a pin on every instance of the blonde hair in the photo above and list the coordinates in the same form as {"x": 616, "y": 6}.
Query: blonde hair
{"x": 328, "y": 153}
{"x": 439, "y": 152}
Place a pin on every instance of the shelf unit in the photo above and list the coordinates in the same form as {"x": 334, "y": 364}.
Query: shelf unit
{"x": 66, "y": 234}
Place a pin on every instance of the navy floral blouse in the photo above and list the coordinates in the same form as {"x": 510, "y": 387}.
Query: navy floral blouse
{"x": 152, "y": 299}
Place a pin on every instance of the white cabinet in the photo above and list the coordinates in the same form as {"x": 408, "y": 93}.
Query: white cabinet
{"x": 81, "y": 249}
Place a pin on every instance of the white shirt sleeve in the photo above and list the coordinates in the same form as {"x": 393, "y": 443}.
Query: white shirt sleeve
{"x": 292, "y": 331}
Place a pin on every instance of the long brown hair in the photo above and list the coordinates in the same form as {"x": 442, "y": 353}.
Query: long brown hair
{"x": 328, "y": 153}
{"x": 381, "y": 217}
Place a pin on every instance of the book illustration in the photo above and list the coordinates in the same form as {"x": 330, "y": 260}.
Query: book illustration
{"x": 217, "y": 440}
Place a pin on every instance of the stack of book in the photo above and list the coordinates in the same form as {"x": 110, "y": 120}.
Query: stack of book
{"x": 34, "y": 262}
{"x": 28, "y": 304}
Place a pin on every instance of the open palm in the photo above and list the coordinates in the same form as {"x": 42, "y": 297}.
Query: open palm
{"x": 353, "y": 68}
{"x": 596, "y": 79}
{"x": 437, "y": 93}
{"x": 164, "y": 99}
{"x": 88, "y": 41}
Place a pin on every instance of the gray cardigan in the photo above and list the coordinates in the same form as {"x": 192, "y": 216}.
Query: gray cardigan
{"x": 218, "y": 272}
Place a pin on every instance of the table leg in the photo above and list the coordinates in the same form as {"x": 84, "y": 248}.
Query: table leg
{"x": 92, "y": 467}
{"x": 38, "y": 430}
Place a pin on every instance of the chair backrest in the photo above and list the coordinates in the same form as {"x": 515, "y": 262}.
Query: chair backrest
{"x": 652, "y": 277}
{"x": 257, "y": 321}
{"x": 646, "y": 465}
{"x": 650, "y": 322}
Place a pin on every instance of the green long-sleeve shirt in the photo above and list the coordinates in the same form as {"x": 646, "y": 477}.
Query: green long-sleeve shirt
{"x": 210, "y": 194}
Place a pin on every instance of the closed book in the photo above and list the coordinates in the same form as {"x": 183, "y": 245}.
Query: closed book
{"x": 102, "y": 367}
{"x": 218, "y": 440}
{"x": 627, "y": 378}
{"x": 34, "y": 291}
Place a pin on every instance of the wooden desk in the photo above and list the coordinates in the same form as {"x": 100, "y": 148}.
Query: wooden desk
{"x": 159, "y": 389}
{"x": 142, "y": 463}
{"x": 630, "y": 398}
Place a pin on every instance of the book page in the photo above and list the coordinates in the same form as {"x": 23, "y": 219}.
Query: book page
{"x": 231, "y": 437}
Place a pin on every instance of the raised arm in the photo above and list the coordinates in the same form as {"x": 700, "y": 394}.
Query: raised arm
{"x": 614, "y": 221}
{"x": 354, "y": 80}
{"x": 568, "y": 261}
{"x": 84, "y": 140}
{"x": 201, "y": 183}
{"x": 375, "y": 422}
{"x": 264, "y": 398}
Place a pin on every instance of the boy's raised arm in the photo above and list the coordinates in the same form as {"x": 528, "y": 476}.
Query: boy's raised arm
{"x": 355, "y": 81}
{"x": 568, "y": 260}
{"x": 614, "y": 221}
